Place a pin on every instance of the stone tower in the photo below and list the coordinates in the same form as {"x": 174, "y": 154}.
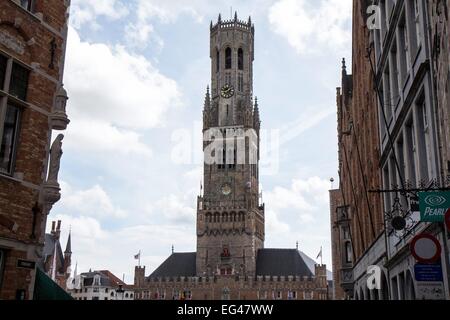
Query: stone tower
{"x": 230, "y": 219}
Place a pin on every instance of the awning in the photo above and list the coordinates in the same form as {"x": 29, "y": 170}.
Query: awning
{"x": 46, "y": 289}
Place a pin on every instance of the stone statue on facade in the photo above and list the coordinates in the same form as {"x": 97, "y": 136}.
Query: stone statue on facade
{"x": 55, "y": 159}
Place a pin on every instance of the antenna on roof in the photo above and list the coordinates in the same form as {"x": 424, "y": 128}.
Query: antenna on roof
{"x": 173, "y": 249}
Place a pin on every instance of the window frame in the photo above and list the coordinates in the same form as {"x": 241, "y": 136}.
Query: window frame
{"x": 7, "y": 99}
{"x": 2, "y": 264}
{"x": 17, "y": 129}
{"x": 228, "y": 58}
{"x": 241, "y": 59}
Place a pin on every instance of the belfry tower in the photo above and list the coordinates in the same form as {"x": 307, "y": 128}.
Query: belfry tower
{"x": 230, "y": 217}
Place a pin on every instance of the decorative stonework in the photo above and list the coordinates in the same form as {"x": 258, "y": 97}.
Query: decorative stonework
{"x": 58, "y": 118}
{"x": 12, "y": 42}
{"x": 51, "y": 190}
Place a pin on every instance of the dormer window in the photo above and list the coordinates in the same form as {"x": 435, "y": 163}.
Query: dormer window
{"x": 97, "y": 280}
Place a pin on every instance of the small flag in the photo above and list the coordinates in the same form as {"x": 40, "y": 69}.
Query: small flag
{"x": 320, "y": 254}
{"x": 137, "y": 257}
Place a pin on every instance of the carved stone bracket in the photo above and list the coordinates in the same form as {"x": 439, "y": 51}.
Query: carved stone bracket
{"x": 51, "y": 194}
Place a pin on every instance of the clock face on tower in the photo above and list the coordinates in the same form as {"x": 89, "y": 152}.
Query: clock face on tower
{"x": 227, "y": 91}
{"x": 226, "y": 189}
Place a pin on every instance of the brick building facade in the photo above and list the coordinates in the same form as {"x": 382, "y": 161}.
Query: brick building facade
{"x": 32, "y": 102}
{"x": 357, "y": 219}
{"x": 399, "y": 96}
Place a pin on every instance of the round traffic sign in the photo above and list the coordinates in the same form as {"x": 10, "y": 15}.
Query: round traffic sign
{"x": 447, "y": 219}
{"x": 426, "y": 248}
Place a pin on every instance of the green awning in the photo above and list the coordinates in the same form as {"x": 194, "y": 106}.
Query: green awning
{"x": 46, "y": 289}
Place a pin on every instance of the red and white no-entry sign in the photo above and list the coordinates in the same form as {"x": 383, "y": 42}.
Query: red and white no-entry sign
{"x": 426, "y": 248}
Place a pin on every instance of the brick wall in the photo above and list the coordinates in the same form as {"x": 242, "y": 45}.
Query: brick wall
{"x": 359, "y": 142}
{"x": 20, "y": 192}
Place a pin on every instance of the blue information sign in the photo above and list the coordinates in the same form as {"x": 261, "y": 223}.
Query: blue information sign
{"x": 428, "y": 272}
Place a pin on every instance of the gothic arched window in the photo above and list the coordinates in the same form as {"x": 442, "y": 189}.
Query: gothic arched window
{"x": 240, "y": 59}
{"x": 228, "y": 58}
{"x": 217, "y": 60}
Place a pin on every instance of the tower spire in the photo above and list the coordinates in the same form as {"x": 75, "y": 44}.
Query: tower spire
{"x": 69, "y": 243}
{"x": 344, "y": 67}
{"x": 207, "y": 99}
{"x": 235, "y": 16}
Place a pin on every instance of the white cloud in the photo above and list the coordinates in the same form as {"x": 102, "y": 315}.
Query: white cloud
{"x": 140, "y": 32}
{"x": 113, "y": 97}
{"x": 313, "y": 26}
{"x": 93, "y": 202}
{"x": 176, "y": 209}
{"x": 86, "y": 11}
{"x": 299, "y": 212}
{"x": 111, "y": 85}
{"x": 100, "y": 137}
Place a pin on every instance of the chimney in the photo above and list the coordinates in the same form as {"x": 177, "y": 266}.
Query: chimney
{"x": 53, "y": 227}
{"x": 58, "y": 229}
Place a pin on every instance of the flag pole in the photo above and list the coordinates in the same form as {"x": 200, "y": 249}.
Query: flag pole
{"x": 321, "y": 256}
{"x": 139, "y": 262}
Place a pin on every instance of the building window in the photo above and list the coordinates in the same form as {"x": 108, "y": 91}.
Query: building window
{"x": 9, "y": 113}
{"x": 9, "y": 138}
{"x": 95, "y": 298}
{"x": 27, "y": 4}
{"x": 240, "y": 59}
{"x": 106, "y": 298}
{"x": 95, "y": 290}
{"x": 395, "y": 94}
{"x": 228, "y": 58}
{"x": 241, "y": 82}
{"x": 348, "y": 252}
{"x": 106, "y": 290}
{"x": 423, "y": 140}
{"x": 19, "y": 82}
{"x": 97, "y": 280}
{"x": 3, "y": 64}
{"x": 2, "y": 260}
{"x": 217, "y": 61}
{"x": 228, "y": 79}
{"x": 403, "y": 49}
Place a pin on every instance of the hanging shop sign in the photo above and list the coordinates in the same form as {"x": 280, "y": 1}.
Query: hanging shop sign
{"x": 433, "y": 206}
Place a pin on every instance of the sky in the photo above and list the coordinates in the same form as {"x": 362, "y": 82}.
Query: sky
{"x": 136, "y": 73}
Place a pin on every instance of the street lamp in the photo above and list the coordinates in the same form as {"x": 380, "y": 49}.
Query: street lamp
{"x": 120, "y": 290}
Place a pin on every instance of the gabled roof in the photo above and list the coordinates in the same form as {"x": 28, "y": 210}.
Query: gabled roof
{"x": 49, "y": 249}
{"x": 281, "y": 262}
{"x": 177, "y": 265}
